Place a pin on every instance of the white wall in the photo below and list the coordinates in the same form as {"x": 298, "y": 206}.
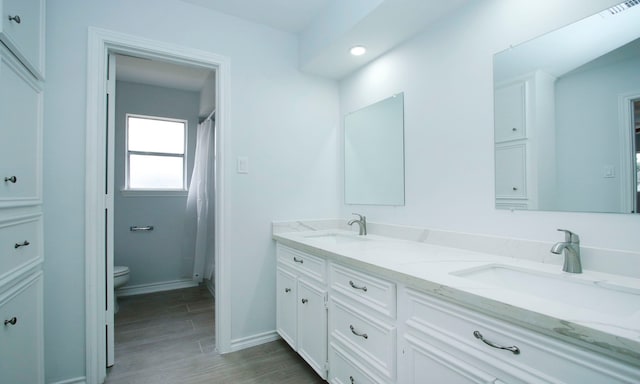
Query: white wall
{"x": 162, "y": 247}
{"x": 445, "y": 73}
{"x": 284, "y": 121}
{"x": 587, "y": 112}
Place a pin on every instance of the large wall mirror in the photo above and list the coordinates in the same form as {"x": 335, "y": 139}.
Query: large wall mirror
{"x": 567, "y": 117}
{"x": 374, "y": 153}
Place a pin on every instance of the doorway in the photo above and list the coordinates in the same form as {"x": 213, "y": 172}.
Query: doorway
{"x": 98, "y": 279}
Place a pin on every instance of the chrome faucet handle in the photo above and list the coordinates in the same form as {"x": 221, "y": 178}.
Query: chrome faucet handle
{"x": 570, "y": 236}
{"x": 360, "y": 217}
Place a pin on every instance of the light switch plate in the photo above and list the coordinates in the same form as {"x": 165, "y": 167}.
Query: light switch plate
{"x": 243, "y": 164}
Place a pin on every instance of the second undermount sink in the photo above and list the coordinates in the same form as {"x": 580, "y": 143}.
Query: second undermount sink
{"x": 600, "y": 296}
{"x": 336, "y": 237}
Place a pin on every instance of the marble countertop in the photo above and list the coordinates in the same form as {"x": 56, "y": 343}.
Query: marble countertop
{"x": 429, "y": 268}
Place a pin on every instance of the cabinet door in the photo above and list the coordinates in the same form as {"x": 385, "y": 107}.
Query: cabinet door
{"x": 20, "y": 109}
{"x": 424, "y": 363}
{"x": 511, "y": 171}
{"x": 21, "y": 333}
{"x": 312, "y": 326}
{"x": 286, "y": 301}
{"x": 22, "y": 30}
{"x": 510, "y": 117}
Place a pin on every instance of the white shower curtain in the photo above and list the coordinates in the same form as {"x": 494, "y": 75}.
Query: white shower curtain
{"x": 200, "y": 204}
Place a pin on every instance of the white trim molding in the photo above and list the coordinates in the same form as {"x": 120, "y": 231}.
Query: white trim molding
{"x": 75, "y": 380}
{"x": 253, "y": 340}
{"x": 141, "y": 289}
{"x": 100, "y": 43}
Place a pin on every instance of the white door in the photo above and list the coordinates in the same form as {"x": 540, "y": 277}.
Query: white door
{"x": 110, "y": 139}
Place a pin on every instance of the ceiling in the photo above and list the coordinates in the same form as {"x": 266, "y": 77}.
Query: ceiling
{"x": 325, "y": 30}
{"x": 287, "y": 15}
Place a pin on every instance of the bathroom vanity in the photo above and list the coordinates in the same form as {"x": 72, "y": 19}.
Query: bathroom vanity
{"x": 382, "y": 309}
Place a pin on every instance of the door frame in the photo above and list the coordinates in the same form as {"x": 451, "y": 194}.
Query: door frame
{"x": 101, "y": 42}
{"x": 626, "y": 136}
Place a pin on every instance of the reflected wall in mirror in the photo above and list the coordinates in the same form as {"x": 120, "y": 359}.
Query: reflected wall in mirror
{"x": 567, "y": 117}
{"x": 374, "y": 153}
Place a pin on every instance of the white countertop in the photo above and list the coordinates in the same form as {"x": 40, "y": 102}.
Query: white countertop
{"x": 428, "y": 267}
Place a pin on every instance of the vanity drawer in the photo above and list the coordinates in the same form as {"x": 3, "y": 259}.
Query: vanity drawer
{"x": 305, "y": 263}
{"x": 540, "y": 358}
{"x": 20, "y": 243}
{"x": 343, "y": 369}
{"x": 377, "y": 294}
{"x": 372, "y": 341}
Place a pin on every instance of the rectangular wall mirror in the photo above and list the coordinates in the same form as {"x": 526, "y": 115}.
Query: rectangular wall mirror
{"x": 567, "y": 117}
{"x": 374, "y": 153}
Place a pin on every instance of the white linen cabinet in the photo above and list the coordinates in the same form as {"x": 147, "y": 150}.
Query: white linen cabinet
{"x": 21, "y": 233}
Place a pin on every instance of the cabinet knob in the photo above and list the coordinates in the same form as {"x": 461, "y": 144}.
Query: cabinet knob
{"x": 23, "y": 244}
{"x": 11, "y": 321}
{"x": 287, "y": 290}
{"x": 15, "y": 18}
{"x": 12, "y": 179}
{"x": 515, "y": 188}
{"x": 514, "y": 129}
{"x": 305, "y": 301}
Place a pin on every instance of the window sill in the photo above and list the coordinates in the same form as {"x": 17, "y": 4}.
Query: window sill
{"x": 154, "y": 192}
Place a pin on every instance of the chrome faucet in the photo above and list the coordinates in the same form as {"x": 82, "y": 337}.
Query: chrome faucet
{"x": 362, "y": 223}
{"x": 571, "y": 248}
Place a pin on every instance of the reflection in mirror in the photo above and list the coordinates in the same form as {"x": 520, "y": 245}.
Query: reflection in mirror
{"x": 374, "y": 153}
{"x": 566, "y": 117}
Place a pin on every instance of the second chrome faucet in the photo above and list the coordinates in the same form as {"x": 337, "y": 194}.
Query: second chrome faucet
{"x": 362, "y": 223}
{"x": 571, "y": 248}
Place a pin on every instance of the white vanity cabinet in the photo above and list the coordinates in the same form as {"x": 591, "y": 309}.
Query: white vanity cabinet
{"x": 22, "y": 30}
{"x": 362, "y": 329}
{"x": 301, "y": 301}
{"x": 443, "y": 343}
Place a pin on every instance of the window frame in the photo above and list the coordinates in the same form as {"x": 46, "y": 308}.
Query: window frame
{"x": 127, "y": 153}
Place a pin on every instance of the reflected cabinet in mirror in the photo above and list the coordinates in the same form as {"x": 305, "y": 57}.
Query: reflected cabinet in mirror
{"x": 374, "y": 153}
{"x": 567, "y": 117}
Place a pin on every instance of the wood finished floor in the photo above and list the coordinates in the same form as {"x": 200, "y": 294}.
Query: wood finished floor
{"x": 168, "y": 337}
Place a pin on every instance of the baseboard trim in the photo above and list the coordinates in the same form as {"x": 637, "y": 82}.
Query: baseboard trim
{"x": 76, "y": 380}
{"x": 140, "y": 289}
{"x": 252, "y": 341}
{"x": 211, "y": 287}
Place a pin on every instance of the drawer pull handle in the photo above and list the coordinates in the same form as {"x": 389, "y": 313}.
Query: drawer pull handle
{"x": 287, "y": 290}
{"x": 298, "y": 260}
{"x": 15, "y": 18}
{"x": 12, "y": 179}
{"x": 353, "y": 381}
{"x": 23, "y": 244}
{"x": 354, "y": 286}
{"x": 515, "y": 350}
{"x": 11, "y": 321}
{"x": 353, "y": 330}
{"x": 305, "y": 301}
{"x": 135, "y": 228}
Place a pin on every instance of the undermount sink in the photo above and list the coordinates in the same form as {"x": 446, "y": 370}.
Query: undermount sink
{"x": 336, "y": 238}
{"x": 600, "y": 296}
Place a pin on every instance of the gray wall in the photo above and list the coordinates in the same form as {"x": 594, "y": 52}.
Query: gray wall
{"x": 155, "y": 256}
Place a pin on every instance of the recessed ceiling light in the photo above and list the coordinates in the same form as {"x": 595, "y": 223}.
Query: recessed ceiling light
{"x": 358, "y": 50}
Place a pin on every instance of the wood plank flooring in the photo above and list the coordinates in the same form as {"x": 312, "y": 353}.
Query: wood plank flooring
{"x": 168, "y": 337}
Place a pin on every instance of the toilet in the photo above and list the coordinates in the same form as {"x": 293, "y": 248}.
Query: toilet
{"x": 120, "y": 278}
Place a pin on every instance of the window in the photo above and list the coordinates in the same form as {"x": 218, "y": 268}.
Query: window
{"x": 155, "y": 153}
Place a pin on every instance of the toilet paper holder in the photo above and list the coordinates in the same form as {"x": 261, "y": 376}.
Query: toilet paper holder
{"x": 135, "y": 228}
